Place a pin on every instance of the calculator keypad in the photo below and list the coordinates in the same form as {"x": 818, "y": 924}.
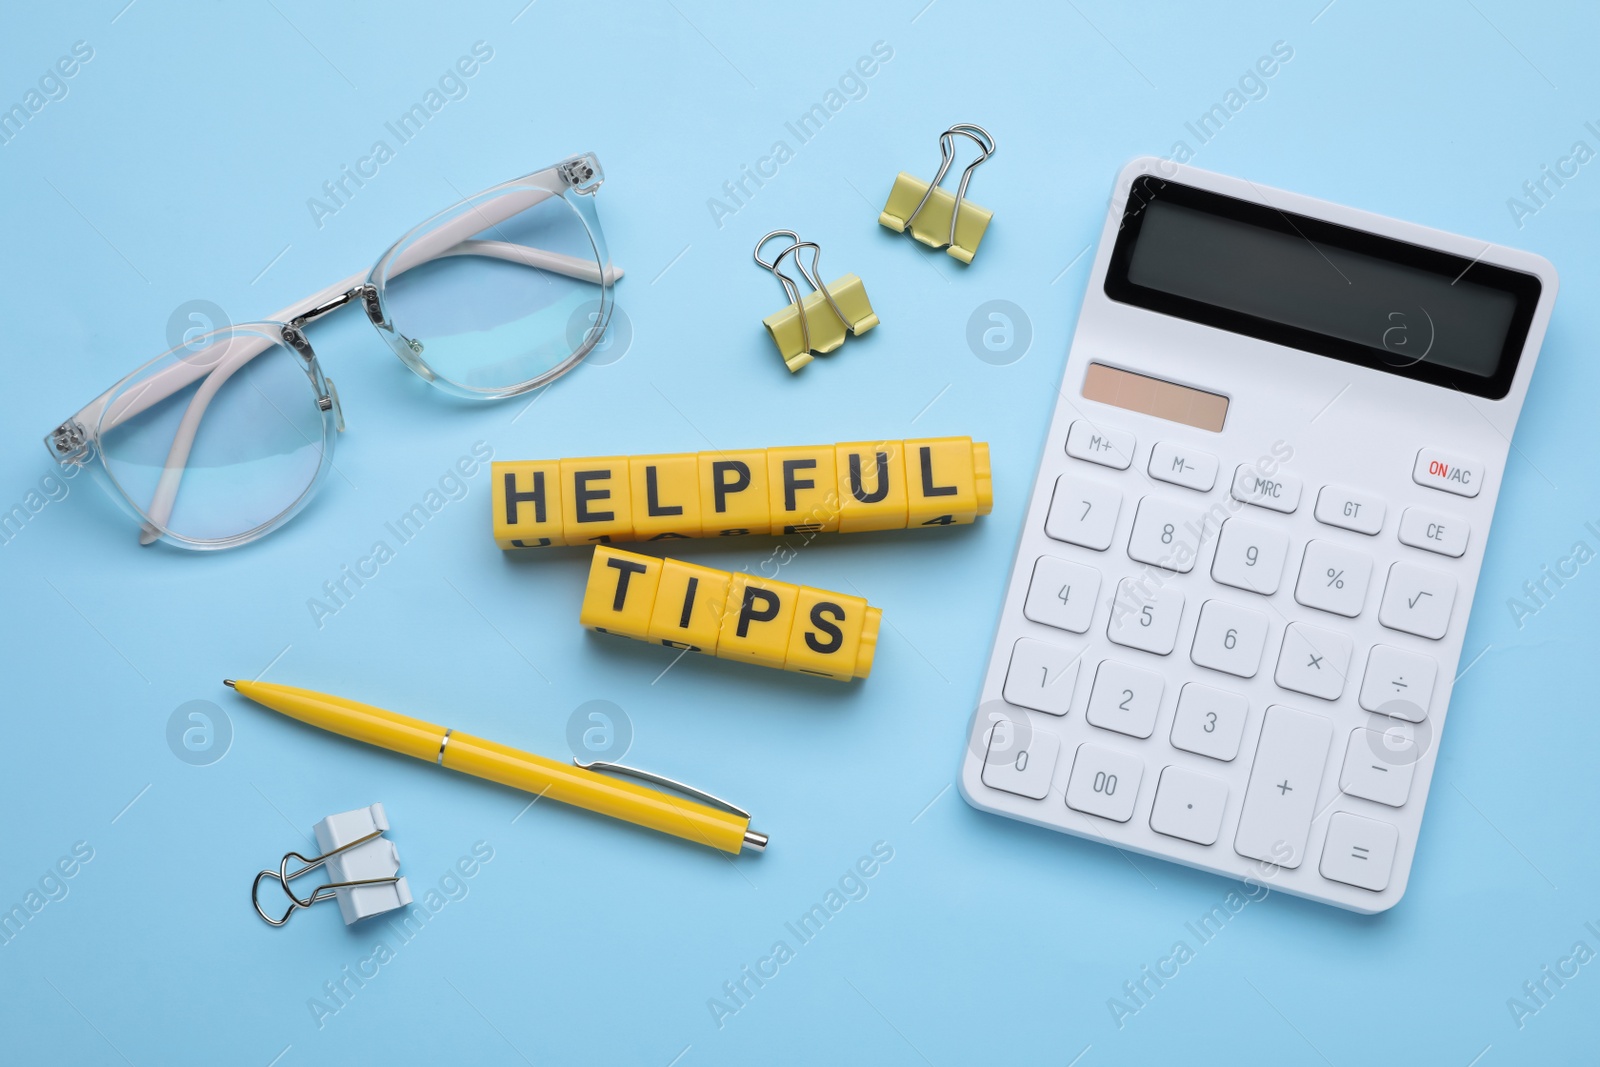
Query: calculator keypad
{"x": 1216, "y": 575}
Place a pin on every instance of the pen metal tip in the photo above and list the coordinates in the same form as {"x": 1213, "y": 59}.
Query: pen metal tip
{"x": 229, "y": 683}
{"x": 754, "y": 841}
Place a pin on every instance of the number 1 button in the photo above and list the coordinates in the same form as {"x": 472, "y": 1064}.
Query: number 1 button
{"x": 1041, "y": 676}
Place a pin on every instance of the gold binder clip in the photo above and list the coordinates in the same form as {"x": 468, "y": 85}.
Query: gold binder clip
{"x": 934, "y": 217}
{"x": 803, "y": 327}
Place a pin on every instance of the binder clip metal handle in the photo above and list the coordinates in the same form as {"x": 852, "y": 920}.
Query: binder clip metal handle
{"x": 359, "y": 854}
{"x": 965, "y": 229}
{"x": 794, "y": 330}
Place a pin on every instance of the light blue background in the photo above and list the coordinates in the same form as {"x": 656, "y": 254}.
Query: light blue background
{"x": 178, "y": 168}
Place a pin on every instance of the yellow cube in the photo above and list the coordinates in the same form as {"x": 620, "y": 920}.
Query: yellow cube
{"x": 526, "y": 500}
{"x": 596, "y": 504}
{"x": 621, "y": 593}
{"x": 872, "y": 486}
{"x": 803, "y": 490}
{"x": 757, "y": 621}
{"x": 666, "y": 496}
{"x": 733, "y": 493}
{"x": 834, "y": 635}
{"x": 690, "y": 602}
{"x": 948, "y": 481}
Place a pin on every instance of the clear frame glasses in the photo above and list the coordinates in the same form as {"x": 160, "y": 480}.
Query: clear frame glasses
{"x": 497, "y": 295}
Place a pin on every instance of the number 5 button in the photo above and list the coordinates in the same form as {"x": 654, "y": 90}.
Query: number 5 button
{"x": 1145, "y": 617}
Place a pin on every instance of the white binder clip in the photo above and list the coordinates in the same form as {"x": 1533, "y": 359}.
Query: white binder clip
{"x": 363, "y": 868}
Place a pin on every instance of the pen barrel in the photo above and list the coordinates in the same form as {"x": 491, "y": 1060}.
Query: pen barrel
{"x": 592, "y": 791}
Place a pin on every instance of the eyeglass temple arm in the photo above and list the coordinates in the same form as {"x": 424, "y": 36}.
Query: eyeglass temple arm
{"x": 447, "y": 240}
{"x": 451, "y": 239}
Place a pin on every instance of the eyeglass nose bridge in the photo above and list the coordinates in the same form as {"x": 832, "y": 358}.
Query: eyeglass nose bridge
{"x": 367, "y": 294}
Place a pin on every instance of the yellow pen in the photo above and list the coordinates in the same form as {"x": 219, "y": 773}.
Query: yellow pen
{"x": 706, "y": 820}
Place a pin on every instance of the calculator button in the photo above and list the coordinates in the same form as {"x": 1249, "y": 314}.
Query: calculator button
{"x": 1025, "y": 771}
{"x": 1350, "y": 509}
{"x": 1250, "y": 557}
{"x": 1104, "y": 782}
{"x": 1061, "y": 594}
{"x": 1166, "y": 535}
{"x": 1181, "y": 465}
{"x": 1189, "y": 805}
{"x": 1282, "y": 793}
{"x": 1041, "y": 676}
{"x": 1398, "y": 684}
{"x": 1109, "y": 448}
{"x": 1359, "y": 852}
{"x": 1432, "y": 531}
{"x": 1333, "y": 579}
{"x": 1378, "y": 766}
{"x": 1451, "y": 473}
{"x": 1279, "y": 492}
{"x": 1229, "y": 638}
{"x": 1209, "y": 722}
{"x": 1145, "y": 617}
{"x": 1125, "y": 699}
{"x": 1083, "y": 513}
{"x": 1313, "y": 661}
{"x": 1417, "y": 600}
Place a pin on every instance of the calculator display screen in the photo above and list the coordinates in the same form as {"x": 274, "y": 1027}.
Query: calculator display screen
{"x": 1313, "y": 285}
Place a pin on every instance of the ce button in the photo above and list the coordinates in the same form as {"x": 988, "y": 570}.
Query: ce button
{"x": 1434, "y": 531}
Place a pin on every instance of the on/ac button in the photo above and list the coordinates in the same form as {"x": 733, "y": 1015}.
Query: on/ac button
{"x": 1451, "y": 473}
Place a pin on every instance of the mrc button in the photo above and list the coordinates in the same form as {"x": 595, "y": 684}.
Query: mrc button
{"x": 1277, "y": 491}
{"x": 1453, "y": 474}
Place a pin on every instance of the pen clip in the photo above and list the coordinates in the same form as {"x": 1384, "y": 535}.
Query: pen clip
{"x": 602, "y": 766}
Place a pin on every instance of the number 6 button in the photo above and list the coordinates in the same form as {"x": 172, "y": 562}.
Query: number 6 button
{"x": 1229, "y": 638}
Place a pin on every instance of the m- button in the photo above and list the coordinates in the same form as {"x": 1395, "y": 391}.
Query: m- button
{"x": 1276, "y": 491}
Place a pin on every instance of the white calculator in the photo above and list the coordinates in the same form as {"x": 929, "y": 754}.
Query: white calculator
{"x": 1238, "y": 603}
